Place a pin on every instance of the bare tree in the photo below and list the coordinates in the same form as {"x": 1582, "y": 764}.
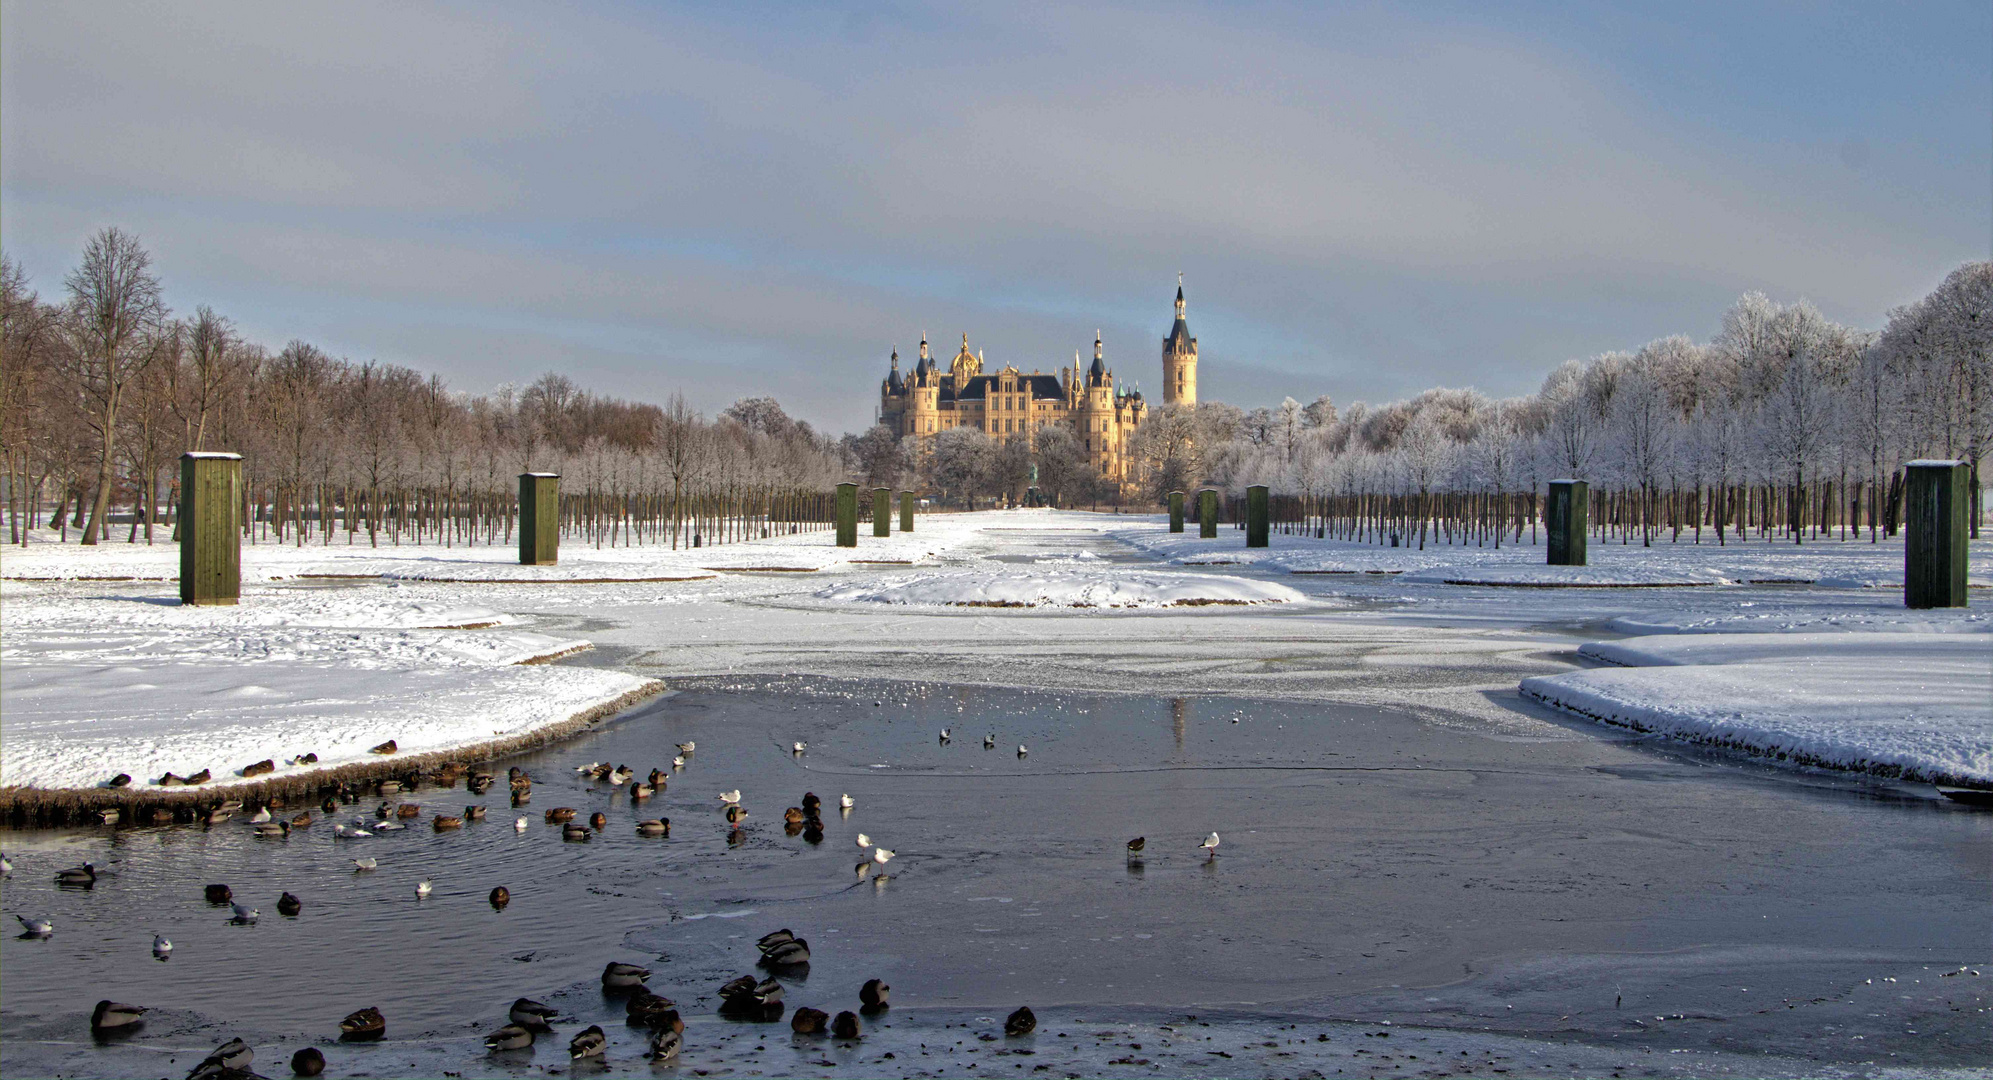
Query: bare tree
{"x": 113, "y": 317}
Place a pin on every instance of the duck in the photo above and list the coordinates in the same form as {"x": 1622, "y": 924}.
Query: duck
{"x": 509, "y": 1037}
{"x": 245, "y": 915}
{"x": 584, "y": 770}
{"x": 520, "y": 825}
{"x": 687, "y": 747}
{"x": 474, "y": 812}
{"x": 77, "y": 875}
{"x": 308, "y": 1062}
{"x": 623, "y": 775}
{"x": 654, "y": 827}
{"x": 274, "y": 830}
{"x": 233, "y": 1054}
{"x": 811, "y": 804}
{"x": 808, "y": 1021}
{"x": 289, "y": 906}
{"x": 576, "y": 833}
{"x": 792, "y": 953}
{"x": 161, "y": 947}
{"x": 774, "y": 938}
{"x": 112, "y": 1016}
{"x": 559, "y": 814}
{"x": 368, "y": 1023}
{"x": 735, "y": 815}
{"x": 1136, "y": 845}
{"x": 665, "y": 1043}
{"x": 882, "y": 856}
{"x": 446, "y": 822}
{"x": 620, "y": 976}
{"x": 384, "y": 811}
{"x": 651, "y": 1010}
{"x": 874, "y": 995}
{"x": 261, "y": 815}
{"x": 1210, "y": 844}
{"x": 792, "y": 816}
{"x": 601, "y": 771}
{"x": 846, "y": 1025}
{"x": 845, "y": 802}
{"x": 657, "y": 779}
{"x": 6, "y": 865}
{"x": 423, "y": 889}
{"x": 732, "y": 797}
{"x": 37, "y": 927}
{"x": 110, "y": 817}
{"x": 532, "y": 1014}
{"x": 1021, "y": 1022}
{"x": 748, "y": 994}
{"x": 641, "y": 791}
{"x": 500, "y": 897}
{"x": 366, "y": 864}
{"x": 408, "y": 810}
{"x": 302, "y": 820}
{"x": 989, "y": 741}
{"x": 597, "y": 820}
{"x": 588, "y": 1042}
{"x": 218, "y": 894}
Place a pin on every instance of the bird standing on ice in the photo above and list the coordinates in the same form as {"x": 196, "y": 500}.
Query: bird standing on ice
{"x": 730, "y": 796}
{"x": 1021, "y": 751}
{"x": 989, "y": 741}
{"x": 1210, "y": 844}
{"x": 945, "y": 736}
{"x": 799, "y": 747}
{"x": 864, "y": 841}
{"x": 882, "y": 856}
{"x": 844, "y": 802}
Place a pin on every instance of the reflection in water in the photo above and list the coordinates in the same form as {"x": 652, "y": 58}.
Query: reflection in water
{"x": 1180, "y": 713}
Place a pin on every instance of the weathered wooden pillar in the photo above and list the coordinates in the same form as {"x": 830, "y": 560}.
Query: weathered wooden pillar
{"x": 847, "y": 515}
{"x": 1256, "y": 516}
{"x": 1565, "y": 514}
{"x": 539, "y": 518}
{"x": 210, "y": 528}
{"x": 1937, "y": 502}
{"x": 882, "y": 512}
{"x": 1207, "y": 514}
{"x": 1176, "y": 511}
{"x": 906, "y": 511}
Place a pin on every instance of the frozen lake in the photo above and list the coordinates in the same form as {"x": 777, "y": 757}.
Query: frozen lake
{"x": 1531, "y": 899}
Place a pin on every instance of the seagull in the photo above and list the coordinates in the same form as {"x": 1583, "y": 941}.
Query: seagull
{"x": 245, "y": 914}
{"x": 262, "y": 815}
{"x": 678, "y": 762}
{"x": 844, "y": 802}
{"x": 864, "y": 841}
{"x": 6, "y": 867}
{"x": 160, "y": 946}
{"x": 389, "y": 826}
{"x": 366, "y": 864}
{"x": 422, "y": 889}
{"x": 41, "y": 927}
{"x": 520, "y": 825}
{"x": 349, "y": 831}
{"x": 881, "y": 855}
{"x": 799, "y": 747}
{"x": 687, "y": 747}
{"x": 730, "y": 796}
{"x": 989, "y": 741}
{"x": 945, "y": 736}
{"x": 1021, "y": 751}
{"x": 1210, "y": 844}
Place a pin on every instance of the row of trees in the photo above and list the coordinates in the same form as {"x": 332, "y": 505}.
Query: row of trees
{"x": 103, "y": 388}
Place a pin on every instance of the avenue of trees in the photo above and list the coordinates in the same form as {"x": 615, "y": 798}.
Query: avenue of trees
{"x": 102, "y": 389}
{"x": 1783, "y": 426}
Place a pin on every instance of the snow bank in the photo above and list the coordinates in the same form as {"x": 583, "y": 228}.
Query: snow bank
{"x": 1066, "y": 589}
{"x": 1536, "y": 576}
{"x": 1908, "y": 705}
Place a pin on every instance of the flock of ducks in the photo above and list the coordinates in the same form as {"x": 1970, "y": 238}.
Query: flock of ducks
{"x": 747, "y": 997}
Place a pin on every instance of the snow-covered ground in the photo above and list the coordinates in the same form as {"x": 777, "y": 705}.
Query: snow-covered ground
{"x": 102, "y": 672}
{"x": 1919, "y": 706}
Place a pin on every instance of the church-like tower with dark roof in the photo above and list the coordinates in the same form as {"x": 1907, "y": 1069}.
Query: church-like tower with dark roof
{"x": 1009, "y": 404}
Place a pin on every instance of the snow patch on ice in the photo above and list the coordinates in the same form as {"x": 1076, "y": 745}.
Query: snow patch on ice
{"x": 1066, "y": 589}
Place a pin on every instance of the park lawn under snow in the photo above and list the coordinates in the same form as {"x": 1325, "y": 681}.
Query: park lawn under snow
{"x": 1039, "y": 586}
{"x": 93, "y": 683}
{"x": 1913, "y": 705}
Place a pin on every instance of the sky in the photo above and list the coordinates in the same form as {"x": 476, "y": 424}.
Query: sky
{"x": 1365, "y": 200}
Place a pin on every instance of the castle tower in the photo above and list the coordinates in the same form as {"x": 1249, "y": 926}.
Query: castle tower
{"x": 1179, "y": 359}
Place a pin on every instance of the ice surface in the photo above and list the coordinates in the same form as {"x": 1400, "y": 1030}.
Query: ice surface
{"x": 1051, "y": 588}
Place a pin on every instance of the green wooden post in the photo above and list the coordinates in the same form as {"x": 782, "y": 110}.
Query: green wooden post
{"x": 1256, "y": 516}
{"x": 1176, "y": 511}
{"x": 539, "y": 518}
{"x": 210, "y": 528}
{"x": 882, "y": 512}
{"x": 847, "y": 515}
{"x": 1937, "y": 501}
{"x": 1207, "y": 514}
{"x": 1565, "y": 509}
{"x": 906, "y": 511}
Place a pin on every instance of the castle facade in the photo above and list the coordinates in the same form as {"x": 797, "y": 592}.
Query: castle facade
{"x": 1013, "y": 404}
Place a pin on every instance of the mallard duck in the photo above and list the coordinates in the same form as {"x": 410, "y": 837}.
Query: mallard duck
{"x": 408, "y": 810}
{"x": 109, "y": 817}
{"x": 808, "y": 1021}
{"x": 812, "y": 805}
{"x": 500, "y": 897}
{"x": 623, "y": 775}
{"x": 653, "y": 827}
{"x": 657, "y": 779}
{"x": 576, "y": 833}
{"x": 474, "y": 812}
{"x": 560, "y": 814}
{"x": 598, "y": 820}
{"x": 302, "y": 821}
{"x": 735, "y": 815}
{"x": 792, "y": 953}
{"x": 233, "y": 1054}
{"x": 1137, "y": 844}
{"x": 529, "y": 1013}
{"x": 289, "y": 905}
{"x": 664, "y": 1044}
{"x": 846, "y": 1025}
{"x": 244, "y": 914}
{"x": 1021, "y": 1022}
{"x": 368, "y": 1023}
{"x": 118, "y": 781}
{"x": 874, "y": 994}
{"x": 746, "y": 994}
{"x": 41, "y": 927}
{"x": 774, "y": 938}
{"x": 77, "y": 875}
{"x": 218, "y": 894}
{"x": 651, "y": 1010}
{"x": 444, "y": 823}
{"x": 640, "y": 791}
{"x": 308, "y": 1062}
{"x": 588, "y": 1042}
{"x": 619, "y": 976}
{"x": 274, "y": 830}
{"x": 509, "y": 1037}
{"x": 792, "y": 816}
{"x": 112, "y": 1016}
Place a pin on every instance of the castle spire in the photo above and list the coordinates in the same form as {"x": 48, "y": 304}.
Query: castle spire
{"x": 1179, "y": 296}
{"x": 1096, "y": 344}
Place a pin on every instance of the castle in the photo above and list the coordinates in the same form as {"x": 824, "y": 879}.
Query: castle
{"x": 1012, "y": 404}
